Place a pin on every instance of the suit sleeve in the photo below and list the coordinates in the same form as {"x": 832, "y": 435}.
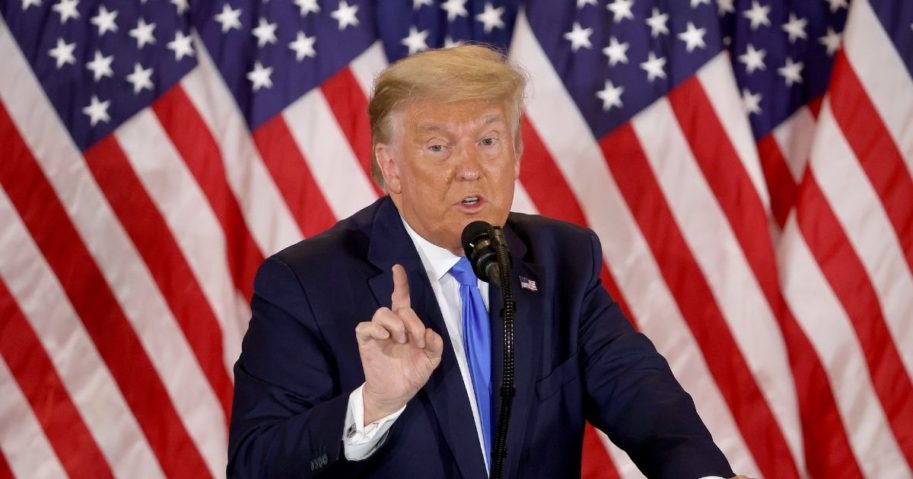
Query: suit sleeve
{"x": 633, "y": 396}
{"x": 288, "y": 414}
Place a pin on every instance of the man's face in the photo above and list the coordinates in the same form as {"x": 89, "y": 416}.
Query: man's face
{"x": 448, "y": 165}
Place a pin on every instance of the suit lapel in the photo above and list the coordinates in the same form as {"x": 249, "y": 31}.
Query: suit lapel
{"x": 527, "y": 332}
{"x": 444, "y": 393}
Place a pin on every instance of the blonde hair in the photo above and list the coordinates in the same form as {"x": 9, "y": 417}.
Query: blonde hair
{"x": 452, "y": 75}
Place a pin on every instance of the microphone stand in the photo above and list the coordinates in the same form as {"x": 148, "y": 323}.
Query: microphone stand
{"x": 499, "y": 447}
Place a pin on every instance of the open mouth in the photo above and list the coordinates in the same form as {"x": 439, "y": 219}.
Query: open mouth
{"x": 471, "y": 200}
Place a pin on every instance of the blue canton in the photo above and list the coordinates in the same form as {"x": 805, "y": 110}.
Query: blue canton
{"x": 628, "y": 53}
{"x": 101, "y": 61}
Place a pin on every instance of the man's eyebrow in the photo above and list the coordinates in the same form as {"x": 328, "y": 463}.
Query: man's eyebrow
{"x": 430, "y": 128}
{"x": 492, "y": 118}
{"x": 437, "y": 127}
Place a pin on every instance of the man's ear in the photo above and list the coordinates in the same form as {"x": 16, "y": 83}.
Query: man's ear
{"x": 519, "y": 154}
{"x": 389, "y": 167}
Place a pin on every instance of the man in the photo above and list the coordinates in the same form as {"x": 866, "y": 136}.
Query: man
{"x": 360, "y": 360}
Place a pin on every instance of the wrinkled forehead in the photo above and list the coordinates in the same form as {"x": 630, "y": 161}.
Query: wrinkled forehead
{"x": 425, "y": 126}
{"x": 435, "y": 117}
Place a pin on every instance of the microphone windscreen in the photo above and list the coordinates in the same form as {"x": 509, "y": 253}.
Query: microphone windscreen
{"x": 472, "y": 233}
{"x": 480, "y": 251}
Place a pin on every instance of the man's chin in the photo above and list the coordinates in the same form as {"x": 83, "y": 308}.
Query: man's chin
{"x": 492, "y": 219}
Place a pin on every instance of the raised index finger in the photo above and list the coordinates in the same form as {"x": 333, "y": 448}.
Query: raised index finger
{"x": 400, "y": 296}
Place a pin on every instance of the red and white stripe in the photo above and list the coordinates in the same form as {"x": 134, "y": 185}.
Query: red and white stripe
{"x": 822, "y": 319}
{"x": 37, "y": 311}
{"x": 25, "y": 445}
{"x": 83, "y": 228}
{"x": 246, "y": 175}
{"x": 846, "y": 258}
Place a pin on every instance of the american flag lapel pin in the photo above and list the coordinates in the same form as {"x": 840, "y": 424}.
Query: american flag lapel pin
{"x": 530, "y": 284}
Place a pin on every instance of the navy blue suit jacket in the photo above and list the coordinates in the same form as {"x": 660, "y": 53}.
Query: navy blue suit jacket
{"x": 577, "y": 359}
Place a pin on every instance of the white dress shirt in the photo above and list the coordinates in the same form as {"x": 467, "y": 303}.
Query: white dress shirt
{"x": 359, "y": 440}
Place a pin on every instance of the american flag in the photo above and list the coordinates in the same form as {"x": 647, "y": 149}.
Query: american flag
{"x": 746, "y": 164}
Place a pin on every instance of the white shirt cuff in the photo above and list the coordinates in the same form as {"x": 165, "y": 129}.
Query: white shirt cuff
{"x": 359, "y": 440}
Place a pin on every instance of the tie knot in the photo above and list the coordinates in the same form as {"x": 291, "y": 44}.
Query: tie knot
{"x": 463, "y": 273}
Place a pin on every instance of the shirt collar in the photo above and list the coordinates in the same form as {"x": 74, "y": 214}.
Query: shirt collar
{"x": 436, "y": 260}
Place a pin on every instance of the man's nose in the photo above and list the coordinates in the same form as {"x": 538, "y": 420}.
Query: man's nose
{"x": 469, "y": 163}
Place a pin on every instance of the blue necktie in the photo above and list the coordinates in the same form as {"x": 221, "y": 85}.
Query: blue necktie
{"x": 477, "y": 341}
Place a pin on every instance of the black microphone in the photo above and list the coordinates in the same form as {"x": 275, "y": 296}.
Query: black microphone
{"x": 478, "y": 242}
{"x": 486, "y": 249}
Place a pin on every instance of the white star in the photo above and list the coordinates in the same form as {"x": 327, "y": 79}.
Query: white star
{"x": 416, "y": 41}
{"x": 620, "y": 9}
{"x": 28, "y": 3}
{"x": 654, "y": 67}
{"x": 416, "y": 4}
{"x": 657, "y": 23}
{"x": 751, "y": 102}
{"x": 307, "y": 6}
{"x": 693, "y": 37}
{"x": 695, "y": 3}
{"x": 757, "y": 14}
{"x": 180, "y": 46}
{"x": 491, "y": 17}
{"x": 724, "y": 7}
{"x": 303, "y": 46}
{"x": 831, "y": 41}
{"x": 143, "y": 33}
{"x": 753, "y": 59}
{"x": 579, "y": 37}
{"x": 63, "y": 53}
{"x": 791, "y": 71}
{"x": 229, "y": 18}
{"x": 259, "y": 76}
{"x": 141, "y": 78}
{"x": 617, "y": 52}
{"x": 450, "y": 42}
{"x": 100, "y": 66}
{"x": 837, "y": 4}
{"x": 97, "y": 111}
{"x": 181, "y": 5}
{"x": 795, "y": 28}
{"x": 66, "y": 9}
{"x": 610, "y": 96}
{"x": 583, "y": 3}
{"x": 265, "y": 32}
{"x": 345, "y": 15}
{"x": 454, "y": 9}
{"x": 104, "y": 20}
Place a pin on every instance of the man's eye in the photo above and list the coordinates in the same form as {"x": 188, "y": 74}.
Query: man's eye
{"x": 436, "y": 148}
{"x": 488, "y": 141}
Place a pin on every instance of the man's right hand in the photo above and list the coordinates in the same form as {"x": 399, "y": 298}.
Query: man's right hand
{"x": 398, "y": 353}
